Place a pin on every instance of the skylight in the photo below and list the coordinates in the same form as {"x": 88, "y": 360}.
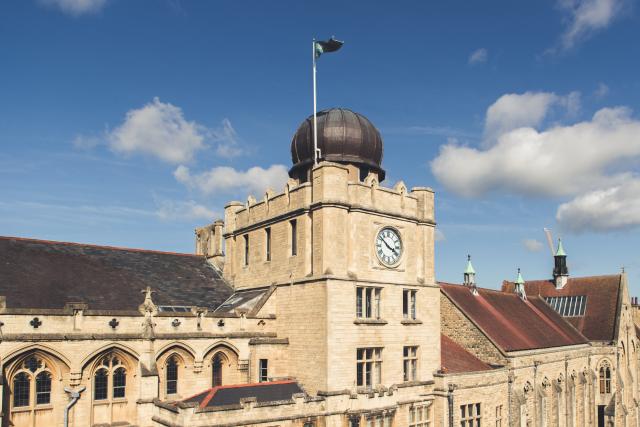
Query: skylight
{"x": 570, "y": 306}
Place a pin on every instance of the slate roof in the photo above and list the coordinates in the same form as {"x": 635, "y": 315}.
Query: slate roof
{"x": 455, "y": 359}
{"x": 600, "y": 319}
{"x": 510, "y": 322}
{"x": 273, "y": 391}
{"x": 46, "y": 275}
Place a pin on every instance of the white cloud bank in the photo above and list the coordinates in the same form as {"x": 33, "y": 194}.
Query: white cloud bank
{"x": 76, "y": 7}
{"x": 478, "y": 56}
{"x": 586, "y": 17}
{"x": 588, "y": 160}
{"x": 614, "y": 208}
{"x": 224, "y": 179}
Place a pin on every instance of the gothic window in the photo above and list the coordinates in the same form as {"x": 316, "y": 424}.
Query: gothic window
{"x": 31, "y": 384}
{"x": 101, "y": 384}
{"x": 119, "y": 383}
{"x": 21, "y": 390}
{"x": 172, "y": 375}
{"x": 43, "y": 388}
{"x": 605, "y": 378}
{"x": 216, "y": 366}
{"x": 111, "y": 376}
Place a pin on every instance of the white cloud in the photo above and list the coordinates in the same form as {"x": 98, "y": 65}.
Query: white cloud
{"x": 513, "y": 111}
{"x": 158, "y": 129}
{"x": 613, "y": 208}
{"x": 226, "y": 179}
{"x": 601, "y": 91}
{"x": 558, "y": 161}
{"x": 587, "y": 17}
{"x": 76, "y": 7}
{"x": 532, "y": 245}
{"x": 478, "y": 56}
{"x": 189, "y": 210}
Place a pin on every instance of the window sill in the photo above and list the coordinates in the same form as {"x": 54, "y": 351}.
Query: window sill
{"x": 370, "y": 322}
{"x": 411, "y": 322}
{"x": 21, "y": 409}
{"x": 46, "y": 407}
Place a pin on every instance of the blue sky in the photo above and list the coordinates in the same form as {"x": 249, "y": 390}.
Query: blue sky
{"x": 129, "y": 123}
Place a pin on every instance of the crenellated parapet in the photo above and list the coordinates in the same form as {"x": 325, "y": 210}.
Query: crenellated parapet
{"x": 258, "y": 233}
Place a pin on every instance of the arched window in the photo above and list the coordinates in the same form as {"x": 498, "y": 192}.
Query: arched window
{"x": 110, "y": 375}
{"x": 119, "y": 383}
{"x": 21, "y": 390}
{"x": 172, "y": 375}
{"x": 101, "y": 384}
{"x": 43, "y": 388}
{"x": 25, "y": 393}
{"x": 216, "y": 367}
{"x": 605, "y": 378}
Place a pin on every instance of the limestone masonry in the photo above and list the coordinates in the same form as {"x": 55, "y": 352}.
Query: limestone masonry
{"x": 313, "y": 306}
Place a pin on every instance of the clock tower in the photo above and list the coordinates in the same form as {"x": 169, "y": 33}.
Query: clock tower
{"x": 349, "y": 262}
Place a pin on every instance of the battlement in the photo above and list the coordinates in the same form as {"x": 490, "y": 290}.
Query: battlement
{"x": 326, "y": 226}
{"x": 332, "y": 184}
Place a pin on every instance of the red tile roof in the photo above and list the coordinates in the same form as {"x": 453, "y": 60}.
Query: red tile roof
{"x": 455, "y": 359}
{"x": 602, "y": 292}
{"x": 510, "y": 322}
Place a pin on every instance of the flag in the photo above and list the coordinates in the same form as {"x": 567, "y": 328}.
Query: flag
{"x": 330, "y": 45}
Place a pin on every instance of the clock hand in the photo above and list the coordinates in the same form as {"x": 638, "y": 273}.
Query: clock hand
{"x": 390, "y": 247}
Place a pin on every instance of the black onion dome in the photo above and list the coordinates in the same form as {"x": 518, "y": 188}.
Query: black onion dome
{"x": 343, "y": 137}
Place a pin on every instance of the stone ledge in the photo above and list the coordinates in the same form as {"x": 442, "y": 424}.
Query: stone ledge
{"x": 411, "y": 322}
{"x": 370, "y": 322}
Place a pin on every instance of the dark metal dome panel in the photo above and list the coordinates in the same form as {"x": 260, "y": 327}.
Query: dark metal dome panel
{"x": 343, "y": 136}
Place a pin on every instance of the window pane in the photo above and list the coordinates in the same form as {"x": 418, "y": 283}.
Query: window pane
{"x": 172, "y": 376}
{"x": 21, "y": 390}
{"x": 294, "y": 237}
{"x": 119, "y": 383}
{"x": 359, "y": 302}
{"x": 405, "y": 304}
{"x": 43, "y": 388}
{"x": 100, "y": 384}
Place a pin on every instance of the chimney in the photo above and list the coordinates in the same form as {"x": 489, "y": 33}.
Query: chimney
{"x": 209, "y": 242}
{"x": 560, "y": 271}
{"x": 519, "y": 288}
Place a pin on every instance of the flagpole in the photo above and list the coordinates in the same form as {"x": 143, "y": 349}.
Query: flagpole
{"x": 315, "y": 128}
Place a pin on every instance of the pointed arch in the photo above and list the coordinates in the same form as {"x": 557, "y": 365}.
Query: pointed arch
{"x": 173, "y": 345}
{"x": 128, "y": 351}
{"x": 219, "y": 345}
{"x": 35, "y": 347}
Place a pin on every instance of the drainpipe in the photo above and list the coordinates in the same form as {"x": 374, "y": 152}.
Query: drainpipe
{"x": 75, "y": 395}
{"x": 452, "y": 387}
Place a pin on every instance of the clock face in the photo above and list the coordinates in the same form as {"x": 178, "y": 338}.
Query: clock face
{"x": 388, "y": 246}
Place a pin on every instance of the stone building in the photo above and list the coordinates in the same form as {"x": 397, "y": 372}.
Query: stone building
{"x": 313, "y": 306}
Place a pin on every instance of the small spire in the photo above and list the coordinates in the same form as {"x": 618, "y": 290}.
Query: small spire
{"x": 469, "y": 269}
{"x": 519, "y": 279}
{"x": 560, "y": 251}
{"x": 519, "y": 288}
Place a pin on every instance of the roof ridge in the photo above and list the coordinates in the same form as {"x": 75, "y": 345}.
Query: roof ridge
{"x": 92, "y": 245}
{"x": 480, "y": 288}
